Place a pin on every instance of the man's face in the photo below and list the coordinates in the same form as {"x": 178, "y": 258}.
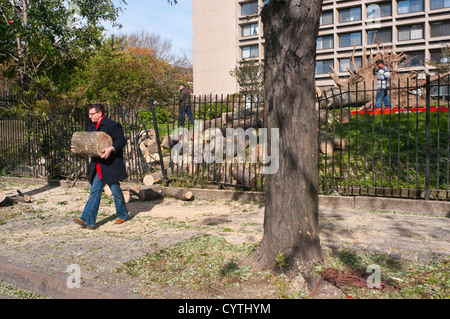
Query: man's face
{"x": 95, "y": 115}
{"x": 180, "y": 87}
{"x": 380, "y": 65}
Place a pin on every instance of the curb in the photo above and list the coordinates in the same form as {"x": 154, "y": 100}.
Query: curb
{"x": 417, "y": 206}
{"x": 52, "y": 285}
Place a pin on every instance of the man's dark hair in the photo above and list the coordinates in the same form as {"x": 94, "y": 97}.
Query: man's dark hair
{"x": 182, "y": 84}
{"x": 99, "y": 107}
{"x": 379, "y": 61}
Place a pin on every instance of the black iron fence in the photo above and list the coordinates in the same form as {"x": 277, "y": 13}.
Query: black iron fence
{"x": 216, "y": 140}
{"x": 399, "y": 150}
{"x": 39, "y": 146}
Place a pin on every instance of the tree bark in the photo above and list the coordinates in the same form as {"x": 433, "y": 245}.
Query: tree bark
{"x": 91, "y": 143}
{"x": 291, "y": 199}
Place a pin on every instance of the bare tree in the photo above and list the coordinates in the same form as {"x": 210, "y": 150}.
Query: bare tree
{"x": 161, "y": 46}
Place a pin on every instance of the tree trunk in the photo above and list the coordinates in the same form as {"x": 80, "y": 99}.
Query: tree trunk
{"x": 291, "y": 201}
{"x": 91, "y": 143}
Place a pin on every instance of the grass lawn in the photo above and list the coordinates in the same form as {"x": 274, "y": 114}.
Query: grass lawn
{"x": 389, "y": 150}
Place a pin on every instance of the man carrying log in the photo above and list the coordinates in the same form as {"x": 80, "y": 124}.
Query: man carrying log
{"x": 107, "y": 169}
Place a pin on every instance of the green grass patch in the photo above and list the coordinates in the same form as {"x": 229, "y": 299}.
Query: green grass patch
{"x": 388, "y": 150}
{"x": 196, "y": 264}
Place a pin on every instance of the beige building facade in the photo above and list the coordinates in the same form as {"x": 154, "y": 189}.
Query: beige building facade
{"x": 227, "y": 32}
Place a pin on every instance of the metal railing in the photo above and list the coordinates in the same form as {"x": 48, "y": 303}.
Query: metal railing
{"x": 39, "y": 147}
{"x": 398, "y": 151}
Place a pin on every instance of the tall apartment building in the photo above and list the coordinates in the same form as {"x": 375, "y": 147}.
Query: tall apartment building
{"x": 227, "y": 32}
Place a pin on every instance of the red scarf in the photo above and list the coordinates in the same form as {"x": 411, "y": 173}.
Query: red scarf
{"x": 97, "y": 167}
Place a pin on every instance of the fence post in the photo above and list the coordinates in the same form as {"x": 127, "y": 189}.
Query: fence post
{"x": 158, "y": 140}
{"x": 427, "y": 138}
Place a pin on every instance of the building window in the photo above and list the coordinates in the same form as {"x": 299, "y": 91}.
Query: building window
{"x": 438, "y": 56}
{"x": 351, "y": 14}
{"x": 379, "y": 10}
{"x": 411, "y": 32}
{"x": 325, "y": 42}
{"x": 439, "y": 4}
{"x": 440, "y": 29}
{"x": 326, "y": 18}
{"x": 349, "y": 39}
{"x": 379, "y": 35}
{"x": 249, "y": 8}
{"x": 250, "y": 51}
{"x": 323, "y": 67}
{"x": 415, "y": 58}
{"x": 250, "y": 29}
{"x": 409, "y": 6}
{"x": 345, "y": 64}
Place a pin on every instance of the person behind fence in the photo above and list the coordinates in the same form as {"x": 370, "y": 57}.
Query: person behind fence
{"x": 184, "y": 105}
{"x": 383, "y": 83}
{"x": 109, "y": 169}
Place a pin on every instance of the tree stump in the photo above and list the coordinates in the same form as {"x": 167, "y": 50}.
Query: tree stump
{"x": 91, "y": 143}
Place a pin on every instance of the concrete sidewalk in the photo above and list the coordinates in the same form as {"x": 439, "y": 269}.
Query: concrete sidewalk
{"x": 40, "y": 241}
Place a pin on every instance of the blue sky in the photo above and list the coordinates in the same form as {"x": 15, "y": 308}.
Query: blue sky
{"x": 173, "y": 22}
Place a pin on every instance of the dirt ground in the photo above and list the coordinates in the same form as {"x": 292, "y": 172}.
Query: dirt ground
{"x": 42, "y": 233}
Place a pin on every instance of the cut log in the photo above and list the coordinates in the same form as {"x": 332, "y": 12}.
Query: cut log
{"x": 343, "y": 115}
{"x": 244, "y": 176}
{"x": 133, "y": 192}
{"x": 328, "y": 144}
{"x": 107, "y": 190}
{"x": 325, "y": 117}
{"x": 91, "y": 143}
{"x": 153, "y": 178}
{"x": 150, "y": 192}
{"x": 335, "y": 98}
{"x": 126, "y": 193}
{"x": 251, "y": 120}
{"x": 179, "y": 193}
{"x": 7, "y": 200}
{"x": 153, "y": 192}
{"x": 126, "y": 196}
{"x": 325, "y": 143}
{"x": 165, "y": 143}
{"x": 229, "y": 117}
{"x": 338, "y": 143}
{"x": 2, "y": 196}
{"x": 23, "y": 197}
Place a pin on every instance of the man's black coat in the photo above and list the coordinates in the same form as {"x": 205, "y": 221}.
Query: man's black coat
{"x": 113, "y": 168}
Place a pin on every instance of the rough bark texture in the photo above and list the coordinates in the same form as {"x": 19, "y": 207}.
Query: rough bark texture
{"x": 91, "y": 143}
{"x": 291, "y": 206}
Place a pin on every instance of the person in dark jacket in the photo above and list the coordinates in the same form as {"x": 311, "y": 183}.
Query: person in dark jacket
{"x": 184, "y": 105}
{"x": 109, "y": 169}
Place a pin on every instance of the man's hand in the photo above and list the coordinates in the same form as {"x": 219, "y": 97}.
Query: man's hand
{"x": 107, "y": 152}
